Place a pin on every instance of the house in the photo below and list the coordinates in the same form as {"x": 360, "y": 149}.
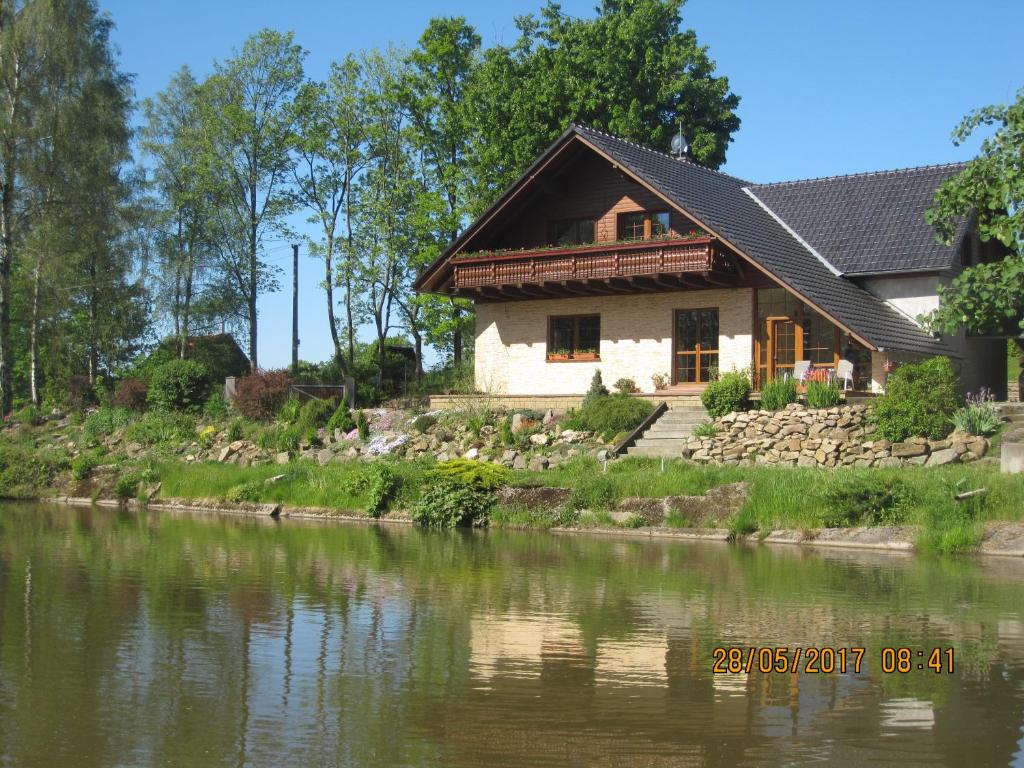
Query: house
{"x": 609, "y": 255}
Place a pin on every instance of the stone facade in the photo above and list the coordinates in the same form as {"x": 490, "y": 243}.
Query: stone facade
{"x": 832, "y": 437}
{"x": 636, "y": 340}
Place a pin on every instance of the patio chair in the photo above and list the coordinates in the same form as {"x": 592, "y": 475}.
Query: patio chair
{"x": 844, "y": 371}
{"x": 800, "y": 369}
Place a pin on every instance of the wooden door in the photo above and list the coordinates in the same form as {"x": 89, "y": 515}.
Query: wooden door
{"x": 696, "y": 346}
{"x": 785, "y": 340}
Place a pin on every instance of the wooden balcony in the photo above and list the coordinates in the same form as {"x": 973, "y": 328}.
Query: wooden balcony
{"x": 652, "y": 265}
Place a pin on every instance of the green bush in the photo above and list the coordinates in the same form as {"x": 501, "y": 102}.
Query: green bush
{"x": 378, "y": 481}
{"x": 362, "y": 425}
{"x": 707, "y": 429}
{"x": 447, "y": 503}
{"x": 103, "y": 423}
{"x": 218, "y": 353}
{"x": 859, "y": 500}
{"x": 480, "y": 474}
{"x": 250, "y": 491}
{"x": 216, "y": 407}
{"x": 83, "y": 465}
{"x": 730, "y": 392}
{"x": 317, "y": 413}
{"x": 777, "y": 394}
{"x": 610, "y": 414}
{"x": 285, "y": 437}
{"x": 625, "y": 387}
{"x": 597, "y": 388}
{"x": 127, "y": 486}
{"x": 822, "y": 394}
{"x": 236, "y": 429}
{"x": 30, "y": 414}
{"x": 24, "y": 473}
{"x": 160, "y": 428}
{"x": 290, "y": 409}
{"x": 920, "y": 400}
{"x": 422, "y": 424}
{"x": 505, "y": 433}
{"x": 178, "y": 385}
{"x": 979, "y": 415}
{"x": 341, "y": 419}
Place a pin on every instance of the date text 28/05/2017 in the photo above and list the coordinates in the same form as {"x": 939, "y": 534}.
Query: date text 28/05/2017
{"x": 829, "y": 660}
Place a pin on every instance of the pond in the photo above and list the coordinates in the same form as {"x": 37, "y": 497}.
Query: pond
{"x": 167, "y": 639}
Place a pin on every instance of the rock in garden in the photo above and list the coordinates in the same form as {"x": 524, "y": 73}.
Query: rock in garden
{"x": 538, "y": 463}
{"x": 541, "y": 438}
{"x": 472, "y": 453}
{"x": 517, "y": 422}
{"x": 519, "y": 462}
{"x": 282, "y": 457}
{"x": 549, "y": 417}
{"x": 909, "y": 448}
{"x": 942, "y": 456}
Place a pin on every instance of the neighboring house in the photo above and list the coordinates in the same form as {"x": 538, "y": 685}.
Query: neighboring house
{"x": 608, "y": 255}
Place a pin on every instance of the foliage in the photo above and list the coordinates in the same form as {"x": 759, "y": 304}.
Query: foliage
{"x": 423, "y": 423}
{"x": 597, "y": 388}
{"x": 599, "y": 492}
{"x": 30, "y": 415}
{"x": 505, "y": 434}
{"x": 778, "y": 393}
{"x": 78, "y": 393}
{"x": 218, "y": 353}
{"x": 625, "y": 387}
{"x": 160, "y": 428}
{"x": 261, "y": 395}
{"x": 861, "y": 500}
{"x": 822, "y": 394}
{"x": 316, "y": 413}
{"x": 83, "y": 465}
{"x": 660, "y": 381}
{"x": 378, "y": 483}
{"x": 730, "y": 392}
{"x": 479, "y": 474}
{"x": 131, "y": 394}
{"x": 610, "y": 414}
{"x": 216, "y": 407}
{"x": 127, "y": 486}
{"x": 289, "y": 411}
{"x": 447, "y": 503}
{"x": 235, "y": 431}
{"x": 707, "y": 429}
{"x": 24, "y": 473}
{"x": 919, "y": 400}
{"x": 362, "y": 425}
{"x": 986, "y": 298}
{"x": 178, "y": 385}
{"x": 341, "y": 419}
{"x": 103, "y": 423}
{"x": 978, "y": 416}
{"x": 284, "y": 437}
{"x": 250, "y": 491}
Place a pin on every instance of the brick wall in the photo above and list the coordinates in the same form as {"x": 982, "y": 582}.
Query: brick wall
{"x": 636, "y": 340}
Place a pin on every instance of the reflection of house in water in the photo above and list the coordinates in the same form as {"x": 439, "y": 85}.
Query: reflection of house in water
{"x": 908, "y": 713}
{"x": 516, "y": 644}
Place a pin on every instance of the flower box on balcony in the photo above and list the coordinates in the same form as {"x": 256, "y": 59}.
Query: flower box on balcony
{"x": 563, "y": 357}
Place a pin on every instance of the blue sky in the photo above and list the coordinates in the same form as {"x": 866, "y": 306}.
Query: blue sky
{"x": 826, "y": 87}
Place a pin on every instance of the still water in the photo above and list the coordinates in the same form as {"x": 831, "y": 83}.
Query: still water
{"x": 161, "y": 639}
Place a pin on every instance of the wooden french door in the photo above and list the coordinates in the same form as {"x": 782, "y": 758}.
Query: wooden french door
{"x": 784, "y": 342}
{"x": 696, "y": 346}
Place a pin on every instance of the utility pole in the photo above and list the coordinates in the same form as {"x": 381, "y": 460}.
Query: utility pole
{"x": 295, "y": 308}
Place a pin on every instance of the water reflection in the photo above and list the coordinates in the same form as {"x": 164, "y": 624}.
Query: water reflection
{"x": 167, "y": 639}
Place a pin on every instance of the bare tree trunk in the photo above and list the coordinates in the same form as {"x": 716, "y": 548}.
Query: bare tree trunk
{"x": 187, "y": 300}
{"x": 6, "y": 256}
{"x": 253, "y": 280}
{"x": 33, "y": 336}
{"x": 329, "y": 286}
{"x": 93, "y": 315}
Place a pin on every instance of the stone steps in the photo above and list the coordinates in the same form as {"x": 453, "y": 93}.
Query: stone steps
{"x": 667, "y": 436}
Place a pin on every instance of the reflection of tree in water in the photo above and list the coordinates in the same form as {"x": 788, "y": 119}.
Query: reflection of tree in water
{"x": 198, "y": 641}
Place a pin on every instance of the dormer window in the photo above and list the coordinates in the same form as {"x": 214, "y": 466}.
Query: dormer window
{"x": 643, "y": 225}
{"x": 572, "y": 232}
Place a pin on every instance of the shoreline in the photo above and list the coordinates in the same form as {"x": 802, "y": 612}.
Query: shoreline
{"x": 1002, "y": 539}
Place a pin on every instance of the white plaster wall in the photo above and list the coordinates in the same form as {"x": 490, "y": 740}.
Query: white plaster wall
{"x": 911, "y": 295}
{"x": 636, "y": 339}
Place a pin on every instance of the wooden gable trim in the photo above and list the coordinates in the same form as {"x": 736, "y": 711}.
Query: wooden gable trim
{"x": 653, "y": 190}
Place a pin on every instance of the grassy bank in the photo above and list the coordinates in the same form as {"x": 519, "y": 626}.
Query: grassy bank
{"x": 789, "y": 498}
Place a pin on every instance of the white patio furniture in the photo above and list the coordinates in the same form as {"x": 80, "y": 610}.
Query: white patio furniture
{"x": 844, "y": 371}
{"x": 800, "y": 369}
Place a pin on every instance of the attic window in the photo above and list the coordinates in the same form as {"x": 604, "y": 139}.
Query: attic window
{"x": 643, "y": 225}
{"x": 572, "y": 232}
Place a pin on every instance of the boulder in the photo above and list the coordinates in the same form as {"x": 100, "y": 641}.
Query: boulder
{"x": 471, "y": 454}
{"x": 941, "y": 457}
{"x": 538, "y": 463}
{"x": 324, "y": 456}
{"x": 517, "y": 422}
{"x": 282, "y": 458}
{"x": 541, "y": 438}
{"x": 519, "y": 462}
{"x": 909, "y": 448}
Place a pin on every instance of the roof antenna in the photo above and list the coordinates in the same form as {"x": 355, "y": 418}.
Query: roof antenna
{"x": 680, "y": 148}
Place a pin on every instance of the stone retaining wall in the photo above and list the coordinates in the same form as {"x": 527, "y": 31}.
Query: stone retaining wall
{"x": 830, "y": 437}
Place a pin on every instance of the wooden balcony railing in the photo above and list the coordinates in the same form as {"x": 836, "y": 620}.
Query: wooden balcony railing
{"x": 584, "y": 263}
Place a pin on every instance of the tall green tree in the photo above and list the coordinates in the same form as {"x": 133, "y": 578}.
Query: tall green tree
{"x": 632, "y": 71}
{"x": 986, "y": 298}
{"x": 246, "y": 125}
{"x": 331, "y": 145}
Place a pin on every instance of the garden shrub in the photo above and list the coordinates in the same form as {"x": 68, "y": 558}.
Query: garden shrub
{"x": 777, "y": 394}
{"x": 341, "y": 419}
{"x": 178, "y": 385}
{"x": 609, "y": 414}
{"x": 83, "y": 465}
{"x": 979, "y": 415}
{"x": 218, "y": 353}
{"x": 707, "y": 429}
{"x": 131, "y": 394}
{"x": 660, "y": 381}
{"x": 728, "y": 393}
{"x": 920, "y": 400}
{"x": 822, "y": 394}
{"x": 236, "y": 429}
{"x": 290, "y": 409}
{"x": 362, "y": 425}
{"x": 23, "y": 472}
{"x": 31, "y": 415}
{"x": 127, "y": 486}
{"x": 250, "y": 491}
{"x": 481, "y": 474}
{"x": 625, "y": 387}
{"x": 261, "y": 395}
{"x": 103, "y": 423}
{"x": 597, "y": 388}
{"x": 284, "y": 437}
{"x": 378, "y": 481}
{"x": 447, "y": 503}
{"x": 505, "y": 432}
{"x": 78, "y": 392}
{"x": 317, "y": 413}
{"x": 160, "y": 428}
{"x": 215, "y": 407}
{"x": 422, "y": 424}
{"x": 862, "y": 500}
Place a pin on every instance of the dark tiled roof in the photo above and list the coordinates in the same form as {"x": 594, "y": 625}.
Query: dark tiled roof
{"x": 722, "y": 205}
{"x": 867, "y": 222}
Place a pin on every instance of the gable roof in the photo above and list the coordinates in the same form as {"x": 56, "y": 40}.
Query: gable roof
{"x": 867, "y": 223}
{"x": 727, "y": 208}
